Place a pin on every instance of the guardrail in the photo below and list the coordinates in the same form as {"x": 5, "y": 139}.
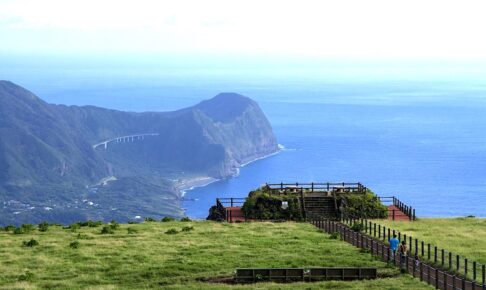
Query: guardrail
{"x": 317, "y": 187}
{"x": 392, "y": 200}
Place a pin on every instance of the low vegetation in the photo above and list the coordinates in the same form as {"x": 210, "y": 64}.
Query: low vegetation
{"x": 141, "y": 255}
{"x": 363, "y": 205}
{"x": 261, "y": 205}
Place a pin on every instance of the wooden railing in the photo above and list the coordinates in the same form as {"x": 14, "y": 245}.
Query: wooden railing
{"x": 224, "y": 203}
{"x": 406, "y": 209}
{"x": 317, "y": 187}
{"x": 447, "y": 263}
{"x": 429, "y": 272}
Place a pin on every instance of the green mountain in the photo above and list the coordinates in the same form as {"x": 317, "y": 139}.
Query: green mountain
{"x": 67, "y": 163}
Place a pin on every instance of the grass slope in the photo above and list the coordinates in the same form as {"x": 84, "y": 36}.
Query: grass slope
{"x": 149, "y": 258}
{"x": 464, "y": 236}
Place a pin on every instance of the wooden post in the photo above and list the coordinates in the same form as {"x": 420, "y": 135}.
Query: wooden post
{"x": 457, "y": 262}
{"x": 465, "y": 266}
{"x": 312, "y": 187}
{"x": 437, "y": 278}
{"x": 410, "y": 243}
{"x": 428, "y": 252}
{"x": 393, "y": 216}
{"x": 414, "y": 262}
{"x": 379, "y": 231}
{"x": 423, "y": 248}
{"x": 428, "y": 274}
{"x": 389, "y": 234}
{"x": 416, "y": 247}
{"x": 231, "y": 202}
{"x": 450, "y": 260}
{"x": 483, "y": 270}
{"x": 442, "y": 257}
{"x": 414, "y": 214}
{"x": 421, "y": 271}
{"x": 435, "y": 254}
{"x": 474, "y": 271}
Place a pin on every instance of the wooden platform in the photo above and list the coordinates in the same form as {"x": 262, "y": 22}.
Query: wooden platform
{"x": 394, "y": 213}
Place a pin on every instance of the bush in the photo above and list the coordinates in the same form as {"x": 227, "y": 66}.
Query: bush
{"x": 74, "y": 227}
{"x": 167, "y": 219}
{"x": 27, "y": 228}
{"x": 334, "y": 236}
{"x": 171, "y": 232}
{"x": 74, "y": 245}
{"x": 91, "y": 224}
{"x": 28, "y": 276}
{"x": 114, "y": 225}
{"x": 31, "y": 243}
{"x": 150, "y": 219}
{"x": 260, "y": 205}
{"x": 131, "y": 231}
{"x": 364, "y": 205}
{"x": 107, "y": 230}
{"x": 187, "y": 229}
{"x": 185, "y": 219}
{"x": 43, "y": 226}
{"x": 82, "y": 237}
{"x": 18, "y": 231}
{"x": 357, "y": 227}
{"x": 9, "y": 228}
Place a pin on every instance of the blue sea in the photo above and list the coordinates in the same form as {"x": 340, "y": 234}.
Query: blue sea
{"x": 423, "y": 141}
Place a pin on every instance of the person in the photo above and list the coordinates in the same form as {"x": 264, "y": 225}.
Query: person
{"x": 394, "y": 245}
{"x": 402, "y": 250}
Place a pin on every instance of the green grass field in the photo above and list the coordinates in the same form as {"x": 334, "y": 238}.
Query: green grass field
{"x": 149, "y": 258}
{"x": 463, "y": 236}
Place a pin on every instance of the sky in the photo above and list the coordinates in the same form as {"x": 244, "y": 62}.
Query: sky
{"x": 344, "y": 29}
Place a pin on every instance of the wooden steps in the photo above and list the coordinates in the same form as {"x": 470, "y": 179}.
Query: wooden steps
{"x": 395, "y": 214}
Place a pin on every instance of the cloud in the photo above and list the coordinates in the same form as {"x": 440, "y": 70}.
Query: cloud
{"x": 345, "y": 28}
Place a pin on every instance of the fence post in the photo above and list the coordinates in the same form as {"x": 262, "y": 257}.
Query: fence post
{"x": 437, "y": 278}
{"x": 388, "y": 233}
{"x": 457, "y": 262}
{"x": 414, "y": 262}
{"x": 422, "y": 248}
{"x": 393, "y": 214}
{"x": 428, "y": 251}
{"x": 442, "y": 257}
{"x": 416, "y": 247}
{"x": 231, "y": 202}
{"x": 435, "y": 254}
{"x": 483, "y": 270}
{"x": 465, "y": 266}
{"x": 410, "y": 243}
{"x": 450, "y": 260}
{"x": 428, "y": 274}
{"x": 474, "y": 271}
{"x": 421, "y": 269}
{"x": 379, "y": 231}
{"x": 414, "y": 215}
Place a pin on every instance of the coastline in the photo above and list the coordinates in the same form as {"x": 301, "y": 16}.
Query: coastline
{"x": 192, "y": 183}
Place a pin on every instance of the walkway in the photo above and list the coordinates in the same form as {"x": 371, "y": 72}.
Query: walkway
{"x": 395, "y": 214}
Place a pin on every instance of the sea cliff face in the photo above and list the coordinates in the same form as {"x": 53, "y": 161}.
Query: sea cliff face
{"x": 51, "y": 169}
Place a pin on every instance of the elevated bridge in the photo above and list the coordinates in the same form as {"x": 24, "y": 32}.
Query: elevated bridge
{"x": 124, "y": 139}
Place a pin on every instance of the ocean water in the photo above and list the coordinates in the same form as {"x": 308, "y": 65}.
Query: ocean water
{"x": 422, "y": 141}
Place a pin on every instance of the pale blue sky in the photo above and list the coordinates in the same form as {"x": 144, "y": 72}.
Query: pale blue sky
{"x": 383, "y": 29}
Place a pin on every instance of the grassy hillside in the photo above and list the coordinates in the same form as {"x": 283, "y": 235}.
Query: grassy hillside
{"x": 464, "y": 236}
{"x": 143, "y": 255}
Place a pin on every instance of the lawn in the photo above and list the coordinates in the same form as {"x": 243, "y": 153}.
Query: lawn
{"x": 146, "y": 257}
{"x": 463, "y": 236}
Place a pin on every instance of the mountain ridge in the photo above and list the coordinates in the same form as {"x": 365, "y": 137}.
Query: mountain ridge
{"x": 47, "y": 159}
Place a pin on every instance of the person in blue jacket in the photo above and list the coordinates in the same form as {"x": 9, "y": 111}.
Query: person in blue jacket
{"x": 394, "y": 242}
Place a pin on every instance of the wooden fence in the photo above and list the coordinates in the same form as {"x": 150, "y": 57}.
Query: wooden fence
{"x": 374, "y": 238}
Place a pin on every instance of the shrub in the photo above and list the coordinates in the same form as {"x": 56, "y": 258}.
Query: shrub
{"x": 43, "y": 226}
{"x": 187, "y": 229}
{"x": 364, "y": 205}
{"x": 150, "y": 219}
{"x": 91, "y": 224}
{"x": 107, "y": 230}
{"x": 31, "y": 243}
{"x": 9, "y": 228}
{"x": 131, "y": 231}
{"x": 74, "y": 227}
{"x": 171, "y": 232}
{"x": 334, "y": 236}
{"x": 167, "y": 219}
{"x": 357, "y": 227}
{"x": 260, "y": 205}
{"x": 18, "y": 231}
{"x": 185, "y": 219}
{"x": 27, "y": 228}
{"x": 28, "y": 276}
{"x": 74, "y": 245}
{"x": 114, "y": 225}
